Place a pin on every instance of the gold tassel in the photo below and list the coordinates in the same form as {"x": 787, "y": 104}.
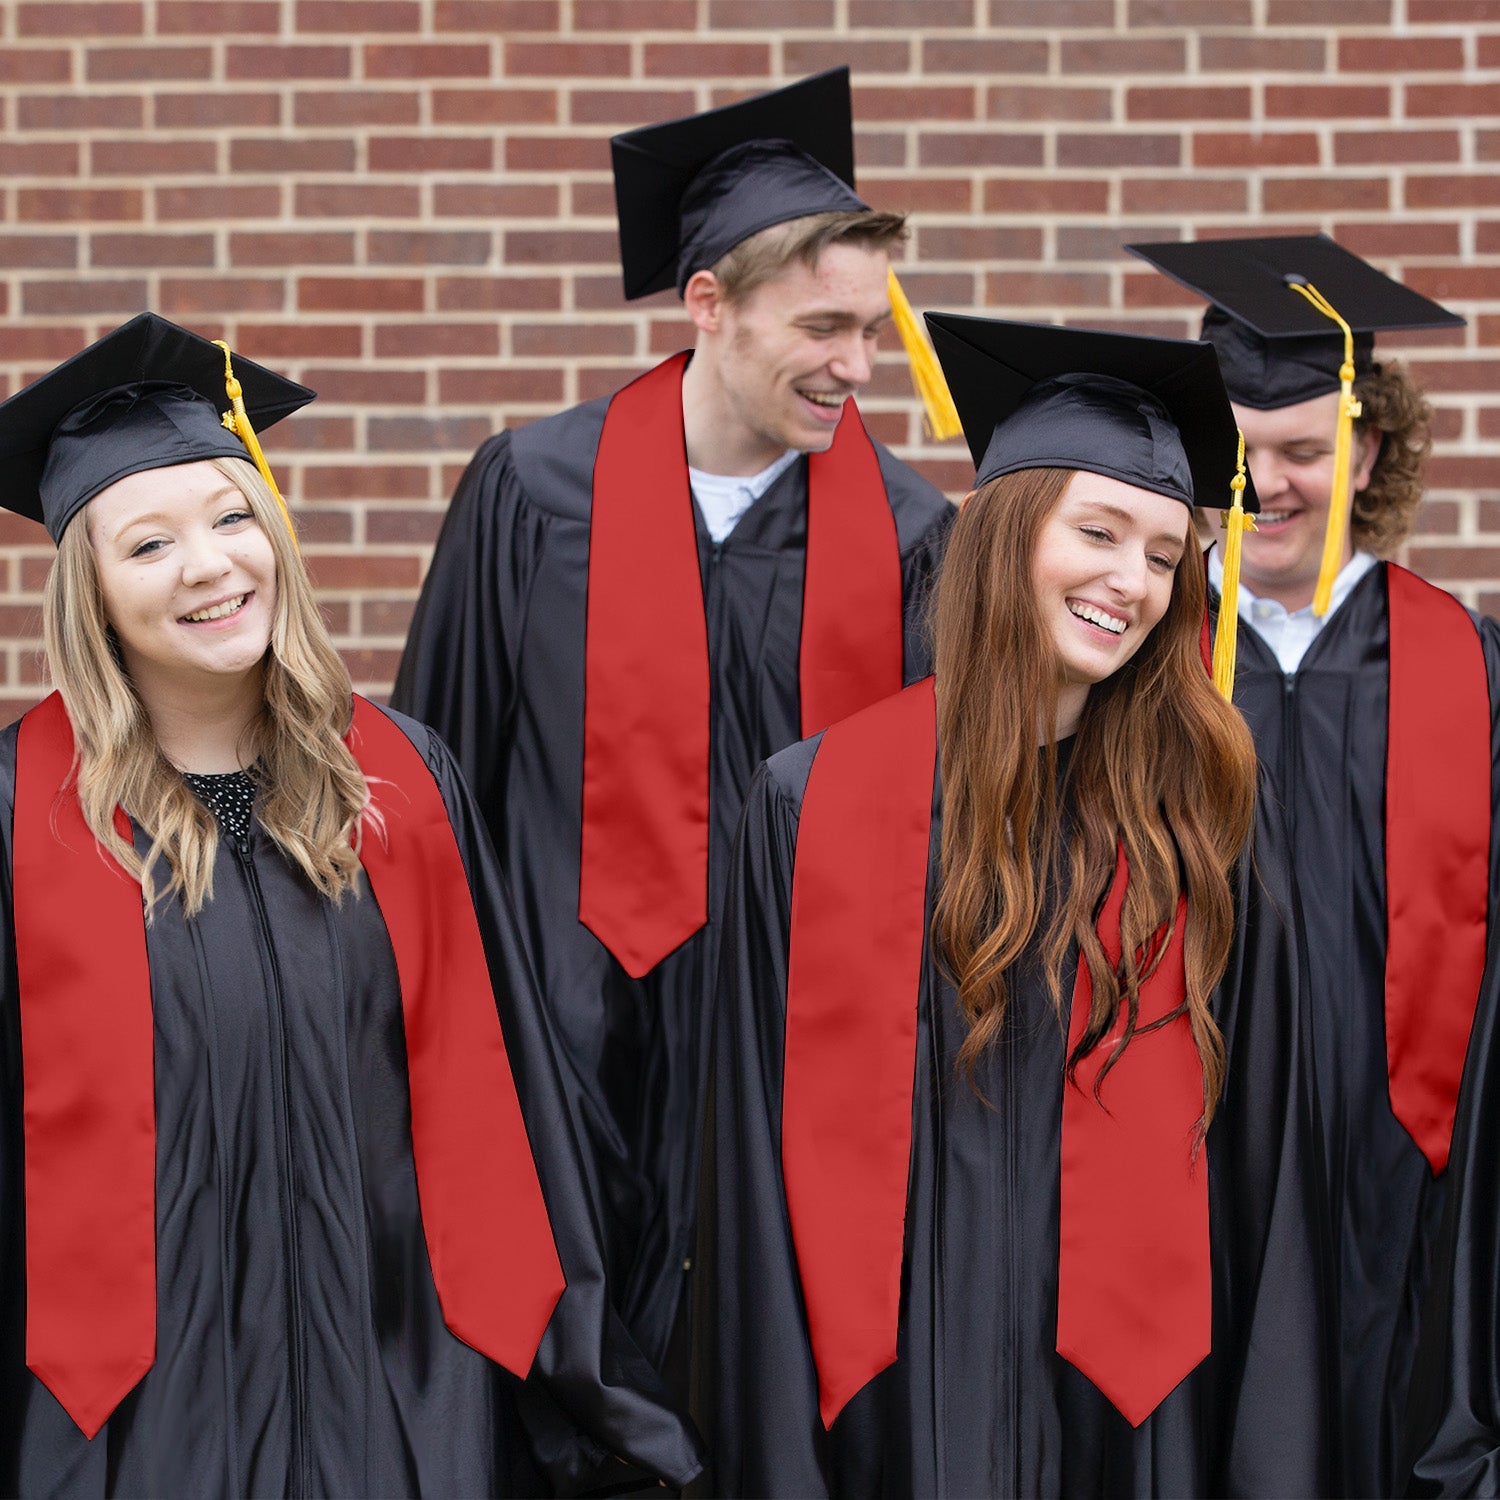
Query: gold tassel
{"x": 1236, "y": 523}
{"x": 926, "y": 372}
{"x": 1338, "y": 496}
{"x": 237, "y": 420}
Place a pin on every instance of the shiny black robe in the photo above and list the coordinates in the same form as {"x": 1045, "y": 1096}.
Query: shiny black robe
{"x": 1322, "y": 733}
{"x": 978, "y": 1402}
{"x": 495, "y": 663}
{"x": 301, "y": 1349}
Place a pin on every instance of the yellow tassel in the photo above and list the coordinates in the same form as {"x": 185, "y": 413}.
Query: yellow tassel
{"x": 926, "y": 372}
{"x": 1236, "y": 523}
{"x": 1338, "y": 496}
{"x": 237, "y": 420}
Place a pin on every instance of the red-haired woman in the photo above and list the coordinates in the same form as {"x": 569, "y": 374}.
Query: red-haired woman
{"x": 1012, "y": 1187}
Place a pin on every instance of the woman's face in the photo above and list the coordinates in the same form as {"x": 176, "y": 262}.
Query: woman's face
{"x": 187, "y": 575}
{"x": 1103, "y": 570}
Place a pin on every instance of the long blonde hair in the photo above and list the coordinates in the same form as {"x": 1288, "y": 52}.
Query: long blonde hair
{"x": 311, "y": 794}
{"x": 1160, "y": 763}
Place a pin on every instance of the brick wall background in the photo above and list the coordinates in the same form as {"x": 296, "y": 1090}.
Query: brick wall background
{"x": 407, "y": 205}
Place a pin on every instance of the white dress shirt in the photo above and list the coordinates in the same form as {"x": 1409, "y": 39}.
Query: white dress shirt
{"x": 1290, "y": 632}
{"x": 724, "y": 498}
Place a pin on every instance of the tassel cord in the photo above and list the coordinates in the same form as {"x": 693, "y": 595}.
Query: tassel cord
{"x": 1236, "y": 523}
{"x": 237, "y": 420}
{"x": 926, "y": 372}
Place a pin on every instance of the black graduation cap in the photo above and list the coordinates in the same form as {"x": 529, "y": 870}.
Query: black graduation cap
{"x": 1275, "y": 347}
{"x": 147, "y": 396}
{"x": 690, "y": 190}
{"x": 1151, "y": 412}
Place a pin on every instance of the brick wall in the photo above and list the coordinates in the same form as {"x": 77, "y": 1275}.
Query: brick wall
{"x": 406, "y": 204}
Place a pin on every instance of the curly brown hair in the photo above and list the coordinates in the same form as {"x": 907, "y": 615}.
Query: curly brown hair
{"x": 1385, "y": 511}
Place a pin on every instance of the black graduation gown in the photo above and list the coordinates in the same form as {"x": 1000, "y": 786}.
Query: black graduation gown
{"x": 1322, "y": 732}
{"x": 978, "y": 1402}
{"x": 495, "y": 663}
{"x": 301, "y": 1349}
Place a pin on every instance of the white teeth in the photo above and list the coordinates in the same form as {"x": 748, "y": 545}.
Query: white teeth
{"x": 1273, "y": 517}
{"x": 1098, "y": 617}
{"x": 217, "y": 611}
{"x": 823, "y": 398}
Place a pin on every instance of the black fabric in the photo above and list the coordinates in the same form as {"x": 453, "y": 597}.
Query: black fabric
{"x": 1322, "y": 731}
{"x": 300, "y": 1346}
{"x": 1267, "y": 374}
{"x": 228, "y": 795}
{"x": 495, "y": 662}
{"x": 978, "y": 1402}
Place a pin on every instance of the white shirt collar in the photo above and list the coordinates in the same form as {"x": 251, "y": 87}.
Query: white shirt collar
{"x": 724, "y": 498}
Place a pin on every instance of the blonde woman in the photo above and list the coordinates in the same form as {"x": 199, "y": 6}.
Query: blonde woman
{"x": 285, "y": 1177}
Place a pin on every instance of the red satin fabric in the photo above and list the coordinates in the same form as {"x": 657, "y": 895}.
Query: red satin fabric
{"x": 1437, "y": 851}
{"x": 87, "y": 1052}
{"x": 1134, "y": 1277}
{"x": 858, "y": 917}
{"x": 488, "y": 1235}
{"x": 88, "y": 1062}
{"x": 643, "y": 881}
{"x": 851, "y": 599}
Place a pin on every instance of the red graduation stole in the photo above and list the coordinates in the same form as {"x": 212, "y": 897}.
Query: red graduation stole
{"x": 90, "y": 1119}
{"x": 1437, "y": 853}
{"x": 1134, "y": 1276}
{"x": 643, "y": 880}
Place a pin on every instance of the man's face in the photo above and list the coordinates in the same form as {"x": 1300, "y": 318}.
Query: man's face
{"x": 797, "y": 346}
{"x": 1289, "y": 453}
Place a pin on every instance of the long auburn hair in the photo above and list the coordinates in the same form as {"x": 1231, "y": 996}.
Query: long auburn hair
{"x": 1160, "y": 764}
{"x": 312, "y": 796}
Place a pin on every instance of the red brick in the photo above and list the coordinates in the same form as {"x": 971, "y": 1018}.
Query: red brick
{"x": 925, "y": 192}
{"x": 284, "y": 247}
{"x": 1253, "y": 149}
{"x": 874, "y": 148}
{"x": 1317, "y": 101}
{"x": 542, "y": 340}
{"x": 495, "y": 200}
{"x": 1312, "y": 194}
{"x": 1086, "y": 242}
{"x": 603, "y": 294}
{"x": 184, "y": 297}
{"x": 280, "y": 155}
{"x": 359, "y": 294}
{"x": 50, "y": 344}
{"x": 300, "y": 340}
{"x": 1452, "y": 100}
{"x": 1041, "y": 289}
{"x": 1489, "y": 52}
{"x": 1182, "y": 194}
{"x": 424, "y": 435}
{"x": 1444, "y": 282}
{"x": 1149, "y": 289}
{"x": 876, "y": 14}
{"x": 500, "y": 106}
{"x": 627, "y": 107}
{"x": 80, "y": 112}
{"x": 327, "y": 528}
{"x": 357, "y": 107}
{"x": 862, "y": 57}
{"x": 1046, "y": 195}
{"x": 916, "y": 103}
{"x": 1119, "y": 149}
{"x": 968, "y": 242}
{"x": 357, "y": 200}
{"x": 1235, "y": 53}
{"x": 626, "y": 15}
{"x": 20, "y": 620}
{"x": 386, "y": 617}
{"x": 1329, "y": 13}
{"x": 498, "y": 293}
{"x": 415, "y": 340}
{"x": 431, "y": 153}
{"x": 430, "y": 247}
{"x": 553, "y": 247}
{"x": 1193, "y": 13}
{"x": 218, "y": 17}
{"x": 116, "y": 64}
{"x": 930, "y": 288}
{"x": 1437, "y": 517}
{"x": 38, "y": 159}
{"x": 491, "y": 385}
{"x": 567, "y": 59}
{"x": 364, "y": 482}
{"x": 1390, "y": 147}
{"x": 151, "y": 251}
{"x": 1431, "y": 12}
{"x": 152, "y": 158}
{"x": 557, "y": 153}
{"x": 1458, "y": 191}
{"x": 596, "y": 200}
{"x": 1096, "y": 14}
{"x": 987, "y": 55}
{"x": 990, "y": 148}
{"x": 430, "y": 60}
{"x": 287, "y": 61}
{"x": 1187, "y": 104}
{"x": 389, "y": 527}
{"x": 1461, "y": 471}
{"x": 497, "y": 17}
{"x": 357, "y": 570}
{"x": 765, "y": 15}
{"x": 1025, "y": 102}
{"x": 219, "y": 108}
{"x": 86, "y": 18}
{"x": 1124, "y": 56}
{"x": 77, "y": 205}
{"x": 1487, "y": 145}
{"x": 34, "y": 65}
{"x": 315, "y": 433}
{"x": 1401, "y": 54}
{"x": 215, "y": 201}
{"x": 31, "y": 252}
{"x": 365, "y": 385}
{"x": 1455, "y": 563}
{"x": 1411, "y": 237}
{"x": 374, "y": 15}
{"x": 706, "y": 59}
{"x": 77, "y": 298}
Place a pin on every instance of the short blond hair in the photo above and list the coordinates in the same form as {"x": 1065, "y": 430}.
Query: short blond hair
{"x": 757, "y": 259}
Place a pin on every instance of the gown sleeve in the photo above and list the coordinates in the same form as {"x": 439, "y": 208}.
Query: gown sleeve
{"x": 595, "y": 1410}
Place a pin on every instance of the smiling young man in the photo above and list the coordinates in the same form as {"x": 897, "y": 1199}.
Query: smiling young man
{"x": 635, "y": 601}
{"x": 1376, "y": 719}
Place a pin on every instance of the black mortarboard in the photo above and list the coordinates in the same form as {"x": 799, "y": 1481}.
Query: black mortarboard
{"x": 147, "y": 396}
{"x": 1151, "y": 412}
{"x": 690, "y": 190}
{"x": 1275, "y": 347}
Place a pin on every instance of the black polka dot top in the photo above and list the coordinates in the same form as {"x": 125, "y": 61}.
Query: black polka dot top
{"x": 229, "y": 796}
